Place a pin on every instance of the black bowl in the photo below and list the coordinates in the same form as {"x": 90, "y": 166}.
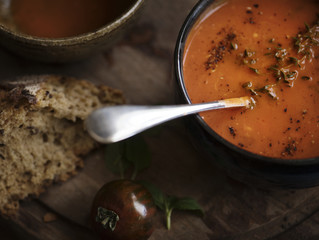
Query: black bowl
{"x": 242, "y": 165}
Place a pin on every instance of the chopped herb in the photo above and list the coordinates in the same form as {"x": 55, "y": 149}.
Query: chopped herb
{"x": 280, "y": 54}
{"x": 268, "y": 54}
{"x": 255, "y": 70}
{"x": 288, "y": 76}
{"x": 269, "y": 89}
{"x": 295, "y": 61}
{"x": 247, "y": 85}
{"x": 304, "y": 42}
{"x": 249, "y": 53}
{"x": 234, "y": 46}
{"x": 253, "y": 61}
{"x": 305, "y": 78}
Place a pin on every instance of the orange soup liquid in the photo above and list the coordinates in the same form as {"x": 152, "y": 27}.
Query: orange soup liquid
{"x": 248, "y": 48}
{"x": 64, "y": 18}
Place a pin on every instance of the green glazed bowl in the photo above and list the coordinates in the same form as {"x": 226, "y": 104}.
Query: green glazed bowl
{"x": 69, "y": 48}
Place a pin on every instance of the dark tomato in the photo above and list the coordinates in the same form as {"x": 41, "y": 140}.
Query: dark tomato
{"x": 123, "y": 210}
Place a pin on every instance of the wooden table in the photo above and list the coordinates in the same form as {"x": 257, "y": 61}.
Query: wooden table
{"x": 142, "y": 66}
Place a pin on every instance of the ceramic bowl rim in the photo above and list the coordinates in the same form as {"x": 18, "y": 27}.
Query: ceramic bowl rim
{"x": 76, "y": 39}
{"x": 189, "y": 22}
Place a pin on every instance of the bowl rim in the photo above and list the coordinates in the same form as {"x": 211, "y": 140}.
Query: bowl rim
{"x": 189, "y": 22}
{"x": 76, "y": 39}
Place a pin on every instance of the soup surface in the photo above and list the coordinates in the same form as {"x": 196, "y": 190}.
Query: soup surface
{"x": 64, "y": 18}
{"x": 267, "y": 50}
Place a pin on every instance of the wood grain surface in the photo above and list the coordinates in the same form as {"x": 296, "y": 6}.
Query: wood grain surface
{"x": 141, "y": 65}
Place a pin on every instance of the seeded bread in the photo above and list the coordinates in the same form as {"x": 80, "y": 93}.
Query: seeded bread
{"x": 42, "y": 134}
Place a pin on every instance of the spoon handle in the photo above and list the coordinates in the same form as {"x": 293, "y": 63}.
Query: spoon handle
{"x": 116, "y": 123}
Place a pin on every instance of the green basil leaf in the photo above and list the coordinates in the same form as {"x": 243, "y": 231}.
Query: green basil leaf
{"x": 186, "y": 203}
{"x": 157, "y": 195}
{"x": 115, "y": 159}
{"x": 138, "y": 153}
{"x": 168, "y": 203}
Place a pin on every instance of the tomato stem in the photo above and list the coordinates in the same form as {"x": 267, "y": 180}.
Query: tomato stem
{"x": 107, "y": 218}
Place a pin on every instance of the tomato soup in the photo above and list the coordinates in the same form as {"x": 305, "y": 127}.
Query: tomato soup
{"x": 64, "y": 18}
{"x": 267, "y": 50}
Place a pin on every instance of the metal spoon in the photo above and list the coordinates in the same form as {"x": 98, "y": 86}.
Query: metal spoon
{"x": 116, "y": 123}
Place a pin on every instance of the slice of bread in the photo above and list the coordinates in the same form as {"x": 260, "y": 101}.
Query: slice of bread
{"x": 42, "y": 133}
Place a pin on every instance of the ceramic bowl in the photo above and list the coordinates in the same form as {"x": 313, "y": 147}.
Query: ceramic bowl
{"x": 69, "y": 48}
{"x": 242, "y": 165}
